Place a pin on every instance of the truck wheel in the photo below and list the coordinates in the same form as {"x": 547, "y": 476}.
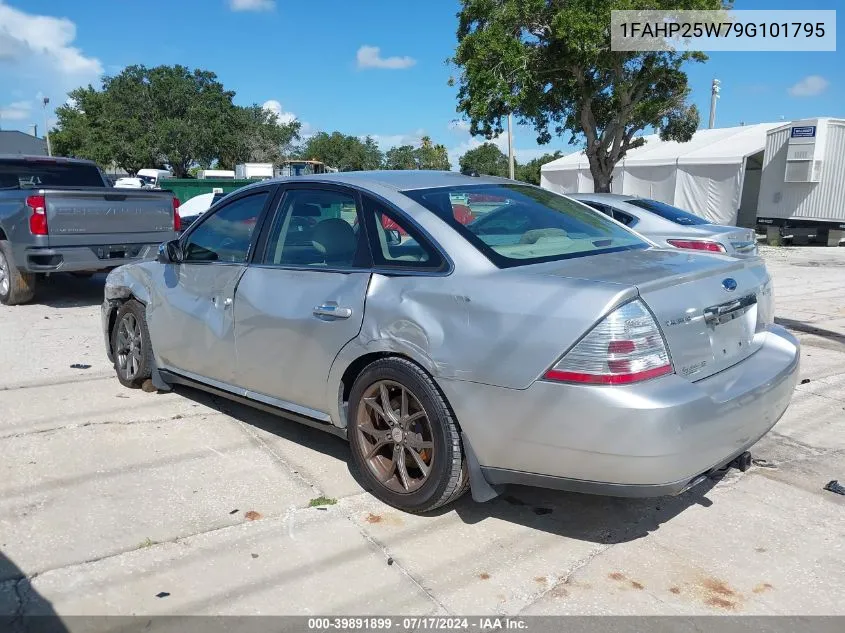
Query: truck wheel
{"x": 16, "y": 286}
{"x": 405, "y": 439}
{"x": 130, "y": 341}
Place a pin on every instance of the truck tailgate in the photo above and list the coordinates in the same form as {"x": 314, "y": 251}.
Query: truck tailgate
{"x": 91, "y": 217}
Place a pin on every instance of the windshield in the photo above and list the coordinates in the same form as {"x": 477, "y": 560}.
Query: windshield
{"x": 34, "y": 174}
{"x": 667, "y": 211}
{"x": 515, "y": 225}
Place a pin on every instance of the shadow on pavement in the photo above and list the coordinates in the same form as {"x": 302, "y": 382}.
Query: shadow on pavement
{"x": 21, "y": 607}
{"x": 807, "y": 328}
{"x": 583, "y": 517}
{"x": 63, "y": 290}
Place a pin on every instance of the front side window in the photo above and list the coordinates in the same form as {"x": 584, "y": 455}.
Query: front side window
{"x": 317, "y": 228}
{"x": 519, "y": 224}
{"x": 668, "y": 212}
{"x": 226, "y": 235}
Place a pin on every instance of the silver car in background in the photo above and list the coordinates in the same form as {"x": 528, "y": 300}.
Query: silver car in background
{"x": 462, "y": 332}
{"x": 669, "y": 226}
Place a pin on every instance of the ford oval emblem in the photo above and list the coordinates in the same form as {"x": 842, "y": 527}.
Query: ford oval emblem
{"x": 729, "y": 284}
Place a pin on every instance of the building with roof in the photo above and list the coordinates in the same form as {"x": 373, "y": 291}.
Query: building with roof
{"x": 715, "y": 175}
{"x": 16, "y": 142}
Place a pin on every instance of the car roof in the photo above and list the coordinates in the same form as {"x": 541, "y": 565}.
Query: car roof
{"x": 399, "y": 180}
{"x": 46, "y": 159}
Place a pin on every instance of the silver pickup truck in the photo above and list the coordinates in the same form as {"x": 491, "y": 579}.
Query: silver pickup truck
{"x": 58, "y": 215}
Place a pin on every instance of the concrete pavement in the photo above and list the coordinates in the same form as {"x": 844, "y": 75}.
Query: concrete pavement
{"x": 110, "y": 497}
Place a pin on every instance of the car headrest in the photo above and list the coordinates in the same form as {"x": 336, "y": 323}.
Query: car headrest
{"x": 307, "y": 210}
{"x": 336, "y": 240}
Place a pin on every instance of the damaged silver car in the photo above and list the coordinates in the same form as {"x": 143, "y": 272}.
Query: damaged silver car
{"x": 462, "y": 332}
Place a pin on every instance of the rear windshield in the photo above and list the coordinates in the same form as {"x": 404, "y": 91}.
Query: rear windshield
{"x": 514, "y": 225}
{"x": 667, "y": 211}
{"x": 35, "y": 174}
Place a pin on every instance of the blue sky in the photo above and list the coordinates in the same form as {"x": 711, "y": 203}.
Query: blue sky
{"x": 362, "y": 67}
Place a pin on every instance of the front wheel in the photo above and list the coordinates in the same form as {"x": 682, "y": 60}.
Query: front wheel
{"x": 130, "y": 339}
{"x": 405, "y": 440}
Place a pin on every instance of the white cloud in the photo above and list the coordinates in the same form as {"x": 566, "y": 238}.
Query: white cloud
{"x": 386, "y": 141}
{"x": 370, "y": 57}
{"x": 38, "y": 55}
{"x": 272, "y": 105}
{"x": 275, "y": 107}
{"x": 17, "y": 111}
{"x": 252, "y": 5}
{"x": 810, "y": 86}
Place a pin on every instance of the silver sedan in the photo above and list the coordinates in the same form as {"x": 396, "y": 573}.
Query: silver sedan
{"x": 670, "y": 226}
{"x": 462, "y": 332}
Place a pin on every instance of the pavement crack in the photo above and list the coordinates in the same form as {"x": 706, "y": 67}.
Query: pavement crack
{"x": 567, "y": 577}
{"x": 259, "y": 441}
{"x": 387, "y": 555}
{"x": 68, "y": 427}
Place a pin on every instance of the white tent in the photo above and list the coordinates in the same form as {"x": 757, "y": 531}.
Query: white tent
{"x": 713, "y": 175}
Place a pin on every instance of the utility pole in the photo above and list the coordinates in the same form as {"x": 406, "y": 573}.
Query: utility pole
{"x": 47, "y": 127}
{"x": 714, "y": 94}
{"x": 510, "y": 147}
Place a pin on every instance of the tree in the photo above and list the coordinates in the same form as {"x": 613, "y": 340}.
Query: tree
{"x": 167, "y": 115}
{"x": 485, "y": 159}
{"x": 257, "y": 136}
{"x": 346, "y": 153}
{"x": 431, "y": 156}
{"x": 401, "y": 157}
{"x": 530, "y": 171}
{"x": 549, "y": 63}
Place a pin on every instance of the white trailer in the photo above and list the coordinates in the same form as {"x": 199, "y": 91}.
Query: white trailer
{"x": 216, "y": 173}
{"x": 254, "y": 170}
{"x": 802, "y": 189}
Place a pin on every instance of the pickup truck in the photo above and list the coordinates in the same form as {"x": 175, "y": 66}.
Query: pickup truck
{"x": 59, "y": 215}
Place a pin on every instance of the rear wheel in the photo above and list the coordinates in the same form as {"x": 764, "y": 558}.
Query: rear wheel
{"x": 405, "y": 440}
{"x": 16, "y": 286}
{"x": 133, "y": 355}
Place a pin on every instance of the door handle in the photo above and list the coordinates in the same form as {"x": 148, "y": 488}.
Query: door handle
{"x": 332, "y": 311}
{"x": 227, "y": 302}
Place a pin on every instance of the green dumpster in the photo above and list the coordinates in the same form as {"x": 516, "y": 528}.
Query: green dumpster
{"x": 187, "y": 188}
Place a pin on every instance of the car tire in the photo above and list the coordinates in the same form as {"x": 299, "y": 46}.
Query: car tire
{"x": 417, "y": 422}
{"x": 130, "y": 342}
{"x": 16, "y": 286}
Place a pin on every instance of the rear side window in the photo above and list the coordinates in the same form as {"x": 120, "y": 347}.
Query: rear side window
{"x": 667, "y": 211}
{"x": 35, "y": 174}
{"x": 515, "y": 225}
{"x": 395, "y": 243}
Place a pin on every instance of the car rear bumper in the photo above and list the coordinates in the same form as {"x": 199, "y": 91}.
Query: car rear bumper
{"x": 647, "y": 439}
{"x": 82, "y": 258}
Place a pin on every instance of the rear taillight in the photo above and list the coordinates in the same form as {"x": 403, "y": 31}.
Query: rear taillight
{"x": 625, "y": 347}
{"x": 699, "y": 245}
{"x": 177, "y": 219}
{"x": 37, "y": 214}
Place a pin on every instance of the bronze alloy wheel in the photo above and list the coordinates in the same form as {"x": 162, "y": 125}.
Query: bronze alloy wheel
{"x": 395, "y": 437}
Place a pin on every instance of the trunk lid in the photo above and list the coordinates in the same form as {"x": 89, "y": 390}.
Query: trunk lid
{"x": 737, "y": 240}
{"x": 88, "y": 216}
{"x": 710, "y": 308}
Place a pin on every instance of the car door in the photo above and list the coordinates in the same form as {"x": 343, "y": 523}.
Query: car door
{"x": 192, "y": 320}
{"x": 302, "y": 297}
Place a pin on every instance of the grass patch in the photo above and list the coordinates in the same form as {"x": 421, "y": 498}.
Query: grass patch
{"x": 321, "y": 501}
{"x": 147, "y": 542}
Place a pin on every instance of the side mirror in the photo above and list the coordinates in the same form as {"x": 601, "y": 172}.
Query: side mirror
{"x": 393, "y": 237}
{"x": 170, "y": 253}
